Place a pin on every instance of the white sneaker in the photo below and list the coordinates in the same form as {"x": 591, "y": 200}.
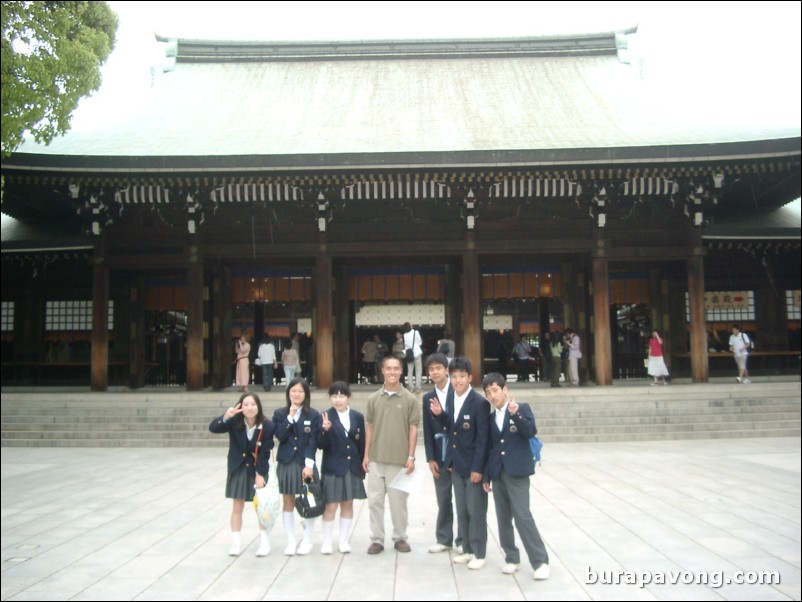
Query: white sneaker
{"x": 234, "y": 550}
{"x": 738, "y": 379}
{"x": 457, "y": 550}
{"x": 290, "y": 549}
{"x": 542, "y": 572}
{"x": 345, "y": 547}
{"x": 509, "y": 568}
{"x": 264, "y": 549}
{"x": 304, "y": 548}
{"x": 746, "y": 381}
{"x": 326, "y": 548}
{"x": 437, "y": 548}
{"x": 463, "y": 558}
{"x": 476, "y": 564}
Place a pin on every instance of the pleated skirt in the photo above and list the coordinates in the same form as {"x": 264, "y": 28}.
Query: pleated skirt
{"x": 239, "y": 485}
{"x": 342, "y": 489}
{"x": 290, "y": 481}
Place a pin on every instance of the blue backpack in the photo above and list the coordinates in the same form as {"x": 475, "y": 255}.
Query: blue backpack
{"x": 535, "y": 445}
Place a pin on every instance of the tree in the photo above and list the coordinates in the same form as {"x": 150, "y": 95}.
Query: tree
{"x": 51, "y": 58}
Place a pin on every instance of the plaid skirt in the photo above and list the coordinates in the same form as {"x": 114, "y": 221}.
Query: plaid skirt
{"x": 239, "y": 485}
{"x": 290, "y": 481}
{"x": 342, "y": 489}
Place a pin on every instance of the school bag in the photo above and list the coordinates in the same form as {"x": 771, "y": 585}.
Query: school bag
{"x": 536, "y": 445}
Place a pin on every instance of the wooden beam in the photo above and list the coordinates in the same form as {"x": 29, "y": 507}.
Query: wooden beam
{"x": 696, "y": 294}
{"x": 603, "y": 357}
{"x": 471, "y": 316}
{"x": 100, "y": 320}
{"x": 194, "y": 321}
{"x": 323, "y": 335}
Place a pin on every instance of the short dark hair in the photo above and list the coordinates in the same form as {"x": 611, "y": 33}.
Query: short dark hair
{"x": 437, "y": 358}
{"x": 339, "y": 386}
{"x": 392, "y": 357}
{"x": 460, "y": 363}
{"x": 493, "y": 378}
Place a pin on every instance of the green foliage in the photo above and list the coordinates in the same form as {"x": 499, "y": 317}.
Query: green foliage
{"x": 51, "y": 58}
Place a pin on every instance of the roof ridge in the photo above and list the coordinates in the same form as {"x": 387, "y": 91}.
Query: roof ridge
{"x": 212, "y": 51}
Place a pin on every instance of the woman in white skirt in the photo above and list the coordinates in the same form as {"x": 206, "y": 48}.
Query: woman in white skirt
{"x": 657, "y": 365}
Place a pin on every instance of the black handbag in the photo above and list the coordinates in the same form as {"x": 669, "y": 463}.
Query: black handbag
{"x": 310, "y": 503}
{"x": 409, "y": 355}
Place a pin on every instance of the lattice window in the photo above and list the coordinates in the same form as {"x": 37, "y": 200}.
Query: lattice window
{"x": 791, "y": 305}
{"x": 73, "y": 315}
{"x": 726, "y": 306}
{"x": 7, "y": 317}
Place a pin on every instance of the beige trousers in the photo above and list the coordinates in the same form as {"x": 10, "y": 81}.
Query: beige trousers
{"x": 379, "y": 478}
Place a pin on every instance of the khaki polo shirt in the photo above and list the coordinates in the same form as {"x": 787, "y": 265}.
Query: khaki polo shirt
{"x": 391, "y": 415}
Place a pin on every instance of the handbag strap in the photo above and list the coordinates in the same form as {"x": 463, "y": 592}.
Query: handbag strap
{"x": 256, "y": 449}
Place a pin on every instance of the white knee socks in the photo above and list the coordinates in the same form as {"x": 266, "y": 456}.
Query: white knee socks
{"x": 236, "y": 544}
{"x": 328, "y": 530}
{"x": 289, "y": 529}
{"x": 306, "y": 542}
{"x": 345, "y": 531}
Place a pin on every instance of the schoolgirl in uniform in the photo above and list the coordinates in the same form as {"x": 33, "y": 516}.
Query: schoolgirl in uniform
{"x": 342, "y": 439}
{"x": 250, "y": 439}
{"x": 297, "y": 426}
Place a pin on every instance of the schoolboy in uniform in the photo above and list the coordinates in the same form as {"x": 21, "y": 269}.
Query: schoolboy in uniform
{"x": 467, "y": 420}
{"x": 509, "y": 466}
{"x": 435, "y": 441}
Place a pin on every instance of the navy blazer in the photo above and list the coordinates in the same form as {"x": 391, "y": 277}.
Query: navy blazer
{"x": 343, "y": 452}
{"x": 297, "y": 440}
{"x": 468, "y": 436}
{"x": 240, "y": 449}
{"x": 432, "y": 427}
{"x": 509, "y": 448}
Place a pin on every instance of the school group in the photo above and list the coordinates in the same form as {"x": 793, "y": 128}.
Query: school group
{"x": 472, "y": 448}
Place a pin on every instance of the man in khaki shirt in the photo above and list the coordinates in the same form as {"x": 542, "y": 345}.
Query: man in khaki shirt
{"x": 391, "y": 434}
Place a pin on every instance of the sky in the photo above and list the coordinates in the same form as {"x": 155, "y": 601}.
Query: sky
{"x": 747, "y": 51}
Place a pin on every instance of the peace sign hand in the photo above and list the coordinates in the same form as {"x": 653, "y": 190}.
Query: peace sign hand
{"x": 513, "y": 407}
{"x": 233, "y": 411}
{"x": 326, "y": 422}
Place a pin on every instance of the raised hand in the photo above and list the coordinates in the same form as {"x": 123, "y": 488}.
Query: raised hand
{"x": 233, "y": 411}
{"x": 326, "y": 422}
{"x": 513, "y": 407}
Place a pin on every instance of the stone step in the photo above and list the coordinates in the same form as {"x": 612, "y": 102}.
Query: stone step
{"x": 635, "y": 411}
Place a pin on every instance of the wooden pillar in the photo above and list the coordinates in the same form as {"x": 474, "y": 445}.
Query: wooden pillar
{"x": 324, "y": 339}
{"x": 471, "y": 316}
{"x": 696, "y": 295}
{"x": 603, "y": 356}
{"x": 195, "y": 298}
{"x": 342, "y": 324}
{"x": 136, "y": 346}
{"x": 100, "y": 320}
{"x": 221, "y": 328}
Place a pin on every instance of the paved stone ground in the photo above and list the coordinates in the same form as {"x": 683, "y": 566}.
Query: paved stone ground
{"x": 152, "y": 524}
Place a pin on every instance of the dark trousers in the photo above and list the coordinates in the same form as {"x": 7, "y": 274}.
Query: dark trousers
{"x": 444, "y": 527}
{"x": 523, "y": 369}
{"x": 267, "y": 376}
{"x": 471, "y": 515}
{"x": 556, "y": 370}
{"x": 511, "y": 497}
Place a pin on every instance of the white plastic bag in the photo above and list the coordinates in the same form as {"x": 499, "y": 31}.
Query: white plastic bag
{"x": 267, "y": 500}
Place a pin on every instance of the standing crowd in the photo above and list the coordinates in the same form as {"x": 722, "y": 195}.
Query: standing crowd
{"x": 474, "y": 445}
